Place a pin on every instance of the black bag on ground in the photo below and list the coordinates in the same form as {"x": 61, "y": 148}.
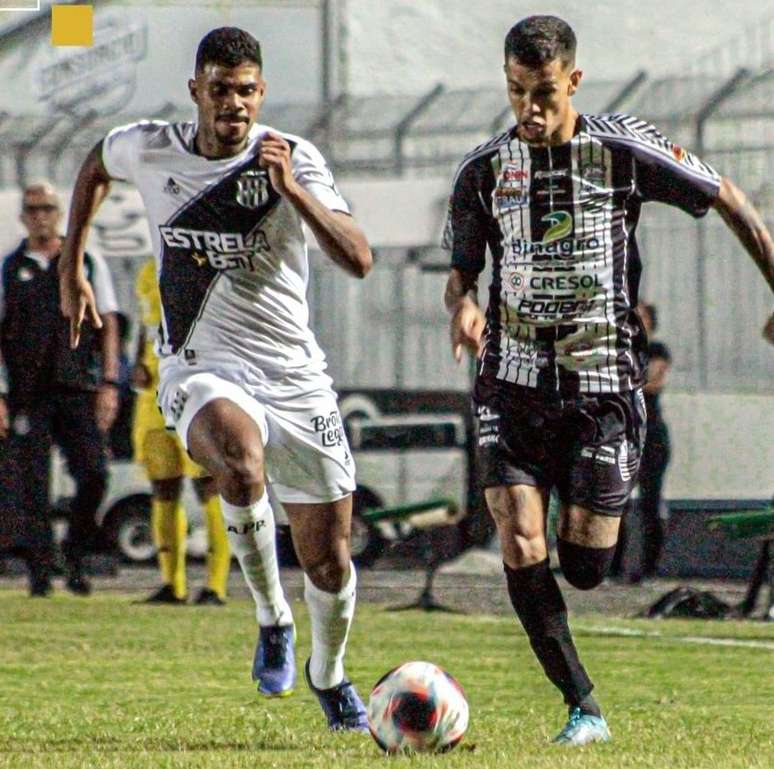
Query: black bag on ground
{"x": 688, "y": 602}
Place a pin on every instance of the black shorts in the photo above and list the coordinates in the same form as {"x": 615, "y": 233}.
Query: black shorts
{"x": 588, "y": 449}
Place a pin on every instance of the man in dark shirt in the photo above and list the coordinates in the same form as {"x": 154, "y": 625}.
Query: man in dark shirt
{"x": 561, "y": 353}
{"x": 52, "y": 394}
{"x": 655, "y": 455}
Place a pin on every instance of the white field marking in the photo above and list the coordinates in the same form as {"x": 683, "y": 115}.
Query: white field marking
{"x": 690, "y": 639}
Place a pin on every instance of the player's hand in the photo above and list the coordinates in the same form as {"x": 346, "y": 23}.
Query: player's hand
{"x": 467, "y": 329}
{"x": 768, "y": 330}
{"x": 141, "y": 378}
{"x": 106, "y": 407}
{"x": 274, "y": 156}
{"x": 5, "y": 422}
{"x": 77, "y": 303}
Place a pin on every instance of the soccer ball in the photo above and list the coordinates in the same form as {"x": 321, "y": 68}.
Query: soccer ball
{"x": 417, "y": 707}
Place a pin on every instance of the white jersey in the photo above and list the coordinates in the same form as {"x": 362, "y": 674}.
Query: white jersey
{"x": 231, "y": 256}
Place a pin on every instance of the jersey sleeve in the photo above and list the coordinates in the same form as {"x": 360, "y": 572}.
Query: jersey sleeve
{"x": 102, "y": 283}
{"x": 121, "y": 151}
{"x": 465, "y": 232}
{"x": 312, "y": 173}
{"x": 667, "y": 173}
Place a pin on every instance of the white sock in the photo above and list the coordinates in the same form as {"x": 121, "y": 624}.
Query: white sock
{"x": 331, "y": 615}
{"x": 251, "y": 535}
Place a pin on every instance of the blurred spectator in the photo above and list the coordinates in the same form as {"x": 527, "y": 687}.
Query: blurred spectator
{"x": 54, "y": 394}
{"x": 655, "y": 457}
{"x": 166, "y": 461}
{"x": 120, "y": 437}
{"x": 652, "y": 513}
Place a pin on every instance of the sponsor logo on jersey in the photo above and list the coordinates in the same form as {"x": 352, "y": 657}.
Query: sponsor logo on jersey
{"x": 595, "y": 174}
{"x": 172, "y": 187}
{"x": 512, "y": 173}
{"x": 558, "y": 173}
{"x": 222, "y": 250}
{"x": 552, "y": 282}
{"x": 252, "y": 188}
{"x": 558, "y": 248}
{"x": 554, "y": 308}
{"x": 24, "y": 274}
{"x": 508, "y": 198}
{"x": 561, "y": 226}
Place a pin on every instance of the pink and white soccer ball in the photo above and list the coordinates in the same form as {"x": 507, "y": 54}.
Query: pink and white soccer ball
{"x": 417, "y": 707}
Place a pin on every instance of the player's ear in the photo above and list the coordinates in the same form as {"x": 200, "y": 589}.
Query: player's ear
{"x": 575, "y": 77}
{"x": 193, "y": 92}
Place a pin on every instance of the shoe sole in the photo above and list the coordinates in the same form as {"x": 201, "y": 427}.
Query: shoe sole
{"x": 276, "y": 695}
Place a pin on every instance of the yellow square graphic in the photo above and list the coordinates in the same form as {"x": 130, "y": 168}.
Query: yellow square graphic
{"x": 72, "y": 25}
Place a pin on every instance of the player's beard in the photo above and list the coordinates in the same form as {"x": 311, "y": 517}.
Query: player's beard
{"x": 231, "y": 136}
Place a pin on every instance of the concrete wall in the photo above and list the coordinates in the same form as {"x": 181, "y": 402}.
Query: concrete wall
{"x": 404, "y": 46}
{"x": 722, "y": 446}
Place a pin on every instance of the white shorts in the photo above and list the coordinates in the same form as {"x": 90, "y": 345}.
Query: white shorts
{"x": 306, "y": 453}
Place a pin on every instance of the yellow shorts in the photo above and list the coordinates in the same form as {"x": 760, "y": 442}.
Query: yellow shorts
{"x": 157, "y": 448}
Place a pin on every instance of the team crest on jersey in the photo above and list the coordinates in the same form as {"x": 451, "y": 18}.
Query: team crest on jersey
{"x": 252, "y": 189}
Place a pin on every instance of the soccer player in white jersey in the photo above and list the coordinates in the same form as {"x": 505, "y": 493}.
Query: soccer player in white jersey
{"x": 561, "y": 351}
{"x": 242, "y": 379}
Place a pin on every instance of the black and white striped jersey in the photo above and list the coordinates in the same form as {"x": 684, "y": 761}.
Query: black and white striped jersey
{"x": 560, "y": 224}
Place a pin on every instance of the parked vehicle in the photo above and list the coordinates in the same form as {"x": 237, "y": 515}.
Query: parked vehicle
{"x": 409, "y": 446}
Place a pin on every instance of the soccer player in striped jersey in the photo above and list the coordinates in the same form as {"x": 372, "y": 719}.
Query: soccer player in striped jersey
{"x": 241, "y": 377}
{"x": 561, "y": 352}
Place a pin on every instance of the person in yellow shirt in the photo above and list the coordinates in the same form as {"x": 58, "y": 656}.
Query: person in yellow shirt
{"x": 166, "y": 463}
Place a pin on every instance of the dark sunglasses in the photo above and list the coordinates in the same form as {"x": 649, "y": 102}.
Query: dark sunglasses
{"x": 45, "y": 207}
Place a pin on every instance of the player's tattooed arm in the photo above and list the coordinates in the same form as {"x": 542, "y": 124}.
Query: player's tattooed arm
{"x": 467, "y": 321}
{"x": 336, "y": 232}
{"x": 75, "y": 292}
{"x": 746, "y": 223}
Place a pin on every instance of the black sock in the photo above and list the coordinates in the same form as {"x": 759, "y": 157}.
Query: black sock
{"x": 539, "y": 605}
{"x": 589, "y": 706}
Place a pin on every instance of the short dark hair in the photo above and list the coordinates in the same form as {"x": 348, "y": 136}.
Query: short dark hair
{"x": 229, "y": 47}
{"x": 538, "y": 40}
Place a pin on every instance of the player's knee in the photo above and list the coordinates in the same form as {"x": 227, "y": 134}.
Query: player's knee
{"x": 330, "y": 575}
{"x": 242, "y": 471}
{"x": 584, "y": 567}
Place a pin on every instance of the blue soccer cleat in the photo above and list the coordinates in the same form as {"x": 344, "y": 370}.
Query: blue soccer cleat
{"x": 582, "y": 729}
{"x": 274, "y": 663}
{"x": 341, "y": 704}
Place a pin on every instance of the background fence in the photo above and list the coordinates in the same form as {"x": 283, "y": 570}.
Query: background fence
{"x": 392, "y": 329}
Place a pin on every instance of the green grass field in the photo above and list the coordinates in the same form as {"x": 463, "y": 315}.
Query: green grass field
{"x": 102, "y": 683}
